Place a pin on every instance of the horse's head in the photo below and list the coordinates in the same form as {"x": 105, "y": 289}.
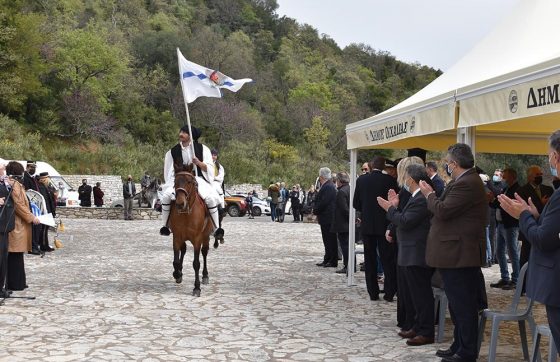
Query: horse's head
{"x": 186, "y": 187}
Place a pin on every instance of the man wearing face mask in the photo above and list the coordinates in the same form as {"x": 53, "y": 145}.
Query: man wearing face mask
{"x": 84, "y": 192}
{"x": 539, "y": 194}
{"x": 457, "y": 246}
{"x": 129, "y": 190}
{"x": 541, "y": 229}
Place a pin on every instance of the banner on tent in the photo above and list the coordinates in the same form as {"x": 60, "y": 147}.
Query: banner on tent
{"x": 529, "y": 99}
{"x": 380, "y": 132}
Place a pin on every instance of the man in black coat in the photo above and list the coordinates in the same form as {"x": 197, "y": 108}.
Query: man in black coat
{"x": 539, "y": 194}
{"x": 324, "y": 209}
{"x": 374, "y": 224}
{"x": 84, "y": 194}
{"x": 342, "y": 215}
{"x": 432, "y": 170}
{"x": 412, "y": 227}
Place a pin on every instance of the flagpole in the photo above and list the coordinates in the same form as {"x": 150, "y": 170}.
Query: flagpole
{"x": 187, "y": 109}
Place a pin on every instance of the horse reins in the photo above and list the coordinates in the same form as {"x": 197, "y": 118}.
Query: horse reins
{"x": 187, "y": 194}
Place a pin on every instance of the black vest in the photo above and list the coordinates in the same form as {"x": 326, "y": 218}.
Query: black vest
{"x": 7, "y": 217}
{"x": 177, "y": 154}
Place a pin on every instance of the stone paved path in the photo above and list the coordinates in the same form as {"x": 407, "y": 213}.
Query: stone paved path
{"x": 109, "y": 295}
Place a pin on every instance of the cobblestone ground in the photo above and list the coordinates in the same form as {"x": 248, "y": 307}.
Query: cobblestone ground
{"x": 109, "y": 295}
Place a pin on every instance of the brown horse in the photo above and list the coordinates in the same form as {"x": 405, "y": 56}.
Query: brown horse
{"x": 189, "y": 220}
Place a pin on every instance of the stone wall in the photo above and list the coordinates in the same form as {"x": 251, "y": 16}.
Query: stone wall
{"x": 110, "y": 213}
{"x": 245, "y": 188}
{"x": 111, "y": 185}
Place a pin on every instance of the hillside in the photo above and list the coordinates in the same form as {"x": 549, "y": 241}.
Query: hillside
{"x": 92, "y": 86}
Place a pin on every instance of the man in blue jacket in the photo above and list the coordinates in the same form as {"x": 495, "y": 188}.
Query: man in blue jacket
{"x": 542, "y": 231}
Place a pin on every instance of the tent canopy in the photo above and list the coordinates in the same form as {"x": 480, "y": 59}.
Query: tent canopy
{"x": 506, "y": 87}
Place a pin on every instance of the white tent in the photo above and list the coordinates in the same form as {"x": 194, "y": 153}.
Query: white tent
{"x": 502, "y": 97}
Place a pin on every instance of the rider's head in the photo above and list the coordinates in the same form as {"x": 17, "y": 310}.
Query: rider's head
{"x": 184, "y": 134}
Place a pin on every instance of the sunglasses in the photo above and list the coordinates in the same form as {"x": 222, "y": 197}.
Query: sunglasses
{"x": 365, "y": 169}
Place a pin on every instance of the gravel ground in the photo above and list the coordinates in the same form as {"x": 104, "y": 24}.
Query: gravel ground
{"x": 109, "y": 295}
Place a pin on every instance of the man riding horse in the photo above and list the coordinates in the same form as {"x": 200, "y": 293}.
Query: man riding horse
{"x": 181, "y": 154}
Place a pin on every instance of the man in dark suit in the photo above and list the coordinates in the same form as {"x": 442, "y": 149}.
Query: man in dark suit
{"x": 508, "y": 227}
{"x": 432, "y": 170}
{"x": 374, "y": 224}
{"x": 342, "y": 215}
{"x": 542, "y": 230}
{"x": 412, "y": 226}
{"x": 324, "y": 209}
{"x": 540, "y": 194}
{"x": 457, "y": 247}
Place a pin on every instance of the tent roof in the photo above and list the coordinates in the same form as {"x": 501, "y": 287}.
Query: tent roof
{"x": 521, "y": 48}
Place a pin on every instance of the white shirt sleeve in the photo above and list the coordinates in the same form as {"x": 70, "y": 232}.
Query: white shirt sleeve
{"x": 207, "y": 159}
{"x": 168, "y": 170}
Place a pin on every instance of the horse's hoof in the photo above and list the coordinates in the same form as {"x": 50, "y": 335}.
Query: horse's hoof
{"x": 222, "y": 240}
{"x": 216, "y": 243}
{"x": 205, "y": 280}
{"x": 179, "y": 280}
{"x": 196, "y": 292}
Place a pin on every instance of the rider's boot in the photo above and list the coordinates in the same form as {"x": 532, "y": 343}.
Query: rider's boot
{"x": 218, "y": 231}
{"x": 165, "y": 208}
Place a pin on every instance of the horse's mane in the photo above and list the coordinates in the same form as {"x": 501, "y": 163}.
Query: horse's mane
{"x": 183, "y": 168}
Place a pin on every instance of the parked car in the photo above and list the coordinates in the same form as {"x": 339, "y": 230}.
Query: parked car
{"x": 235, "y": 205}
{"x": 260, "y": 207}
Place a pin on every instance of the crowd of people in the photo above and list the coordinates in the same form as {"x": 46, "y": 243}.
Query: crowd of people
{"x": 301, "y": 201}
{"x": 428, "y": 234}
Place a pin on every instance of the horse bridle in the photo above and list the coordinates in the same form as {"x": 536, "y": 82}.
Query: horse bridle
{"x": 191, "y": 180}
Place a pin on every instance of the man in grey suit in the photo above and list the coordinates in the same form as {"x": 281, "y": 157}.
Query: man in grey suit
{"x": 542, "y": 231}
{"x": 413, "y": 225}
{"x": 457, "y": 247}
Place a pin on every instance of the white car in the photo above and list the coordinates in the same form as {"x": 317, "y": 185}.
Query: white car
{"x": 260, "y": 207}
{"x": 287, "y": 209}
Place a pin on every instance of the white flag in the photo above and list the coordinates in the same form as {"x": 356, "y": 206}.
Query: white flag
{"x": 198, "y": 81}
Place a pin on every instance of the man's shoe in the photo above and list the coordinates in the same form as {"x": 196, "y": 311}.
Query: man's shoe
{"x": 341, "y": 271}
{"x": 388, "y": 299}
{"x": 509, "y": 286}
{"x": 374, "y": 297}
{"x": 445, "y": 352}
{"x": 457, "y": 358}
{"x": 499, "y": 284}
{"x": 420, "y": 341}
{"x": 321, "y": 263}
{"x": 164, "y": 231}
{"x": 330, "y": 265}
{"x": 407, "y": 334}
{"x": 34, "y": 252}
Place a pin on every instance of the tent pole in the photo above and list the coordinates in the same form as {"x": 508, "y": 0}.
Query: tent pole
{"x": 467, "y": 135}
{"x": 352, "y": 221}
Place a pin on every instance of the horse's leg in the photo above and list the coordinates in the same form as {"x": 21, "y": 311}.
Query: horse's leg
{"x": 177, "y": 262}
{"x": 204, "y": 249}
{"x": 196, "y": 267}
{"x": 218, "y": 240}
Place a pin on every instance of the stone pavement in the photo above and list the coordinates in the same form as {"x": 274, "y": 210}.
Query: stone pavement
{"x": 109, "y": 295}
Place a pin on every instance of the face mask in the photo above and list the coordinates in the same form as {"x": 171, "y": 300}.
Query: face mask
{"x": 496, "y": 178}
{"x": 553, "y": 170}
{"x": 448, "y": 171}
{"x": 406, "y": 187}
{"x": 84, "y": 183}
{"x": 129, "y": 179}
{"x": 538, "y": 180}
